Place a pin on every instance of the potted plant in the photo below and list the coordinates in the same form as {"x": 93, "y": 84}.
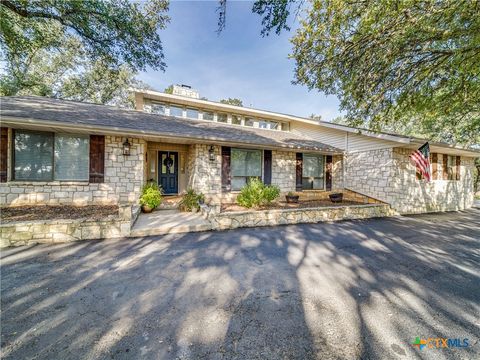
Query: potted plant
{"x": 336, "y": 197}
{"x": 191, "y": 201}
{"x": 291, "y": 197}
{"x": 151, "y": 197}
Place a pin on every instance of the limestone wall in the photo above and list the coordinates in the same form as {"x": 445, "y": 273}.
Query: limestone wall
{"x": 236, "y": 219}
{"x": 283, "y": 170}
{"x": 389, "y": 175}
{"x": 409, "y": 195}
{"x": 124, "y": 177}
{"x": 59, "y": 231}
{"x": 205, "y": 176}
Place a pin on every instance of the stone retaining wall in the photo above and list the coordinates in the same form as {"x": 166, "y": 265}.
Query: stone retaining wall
{"x": 251, "y": 218}
{"x": 60, "y": 231}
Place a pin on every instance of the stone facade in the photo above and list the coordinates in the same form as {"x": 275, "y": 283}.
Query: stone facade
{"x": 205, "y": 176}
{"x": 59, "y": 231}
{"x": 237, "y": 219}
{"x": 337, "y": 172}
{"x": 389, "y": 175}
{"x": 124, "y": 177}
{"x": 283, "y": 170}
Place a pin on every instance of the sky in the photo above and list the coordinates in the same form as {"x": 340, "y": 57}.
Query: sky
{"x": 238, "y": 63}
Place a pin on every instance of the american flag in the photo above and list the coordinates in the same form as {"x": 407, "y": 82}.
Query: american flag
{"x": 421, "y": 158}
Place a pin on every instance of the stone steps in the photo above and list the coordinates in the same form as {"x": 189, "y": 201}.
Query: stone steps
{"x": 161, "y": 222}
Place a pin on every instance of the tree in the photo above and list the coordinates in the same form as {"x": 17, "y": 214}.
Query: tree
{"x": 68, "y": 74}
{"x": 412, "y": 66}
{"x": 121, "y": 32}
{"x": 168, "y": 89}
{"x": 232, "y": 101}
{"x": 407, "y": 66}
{"x": 81, "y": 50}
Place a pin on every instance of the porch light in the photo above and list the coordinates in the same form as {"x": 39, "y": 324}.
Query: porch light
{"x": 211, "y": 153}
{"x": 126, "y": 147}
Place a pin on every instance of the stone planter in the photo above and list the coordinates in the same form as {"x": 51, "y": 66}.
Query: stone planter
{"x": 292, "y": 199}
{"x": 336, "y": 197}
{"x": 146, "y": 209}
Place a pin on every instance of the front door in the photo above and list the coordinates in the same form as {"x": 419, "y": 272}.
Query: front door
{"x": 168, "y": 171}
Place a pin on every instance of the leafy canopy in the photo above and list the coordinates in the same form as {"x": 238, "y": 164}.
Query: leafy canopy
{"x": 83, "y": 50}
{"x": 409, "y": 66}
{"x": 402, "y": 65}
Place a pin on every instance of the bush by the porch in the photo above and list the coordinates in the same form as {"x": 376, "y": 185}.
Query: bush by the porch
{"x": 151, "y": 195}
{"x": 191, "y": 200}
{"x": 256, "y": 193}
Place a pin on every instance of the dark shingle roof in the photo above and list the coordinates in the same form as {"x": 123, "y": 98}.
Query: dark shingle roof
{"x": 92, "y": 115}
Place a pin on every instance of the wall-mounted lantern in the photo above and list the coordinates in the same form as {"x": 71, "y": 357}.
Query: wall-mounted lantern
{"x": 126, "y": 147}
{"x": 211, "y": 153}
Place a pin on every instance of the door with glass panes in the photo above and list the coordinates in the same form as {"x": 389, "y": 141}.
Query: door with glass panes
{"x": 168, "y": 171}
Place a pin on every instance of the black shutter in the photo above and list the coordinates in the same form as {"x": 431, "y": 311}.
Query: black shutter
{"x": 328, "y": 173}
{"x": 445, "y": 167}
{"x": 299, "y": 171}
{"x": 97, "y": 159}
{"x": 457, "y": 165}
{"x": 226, "y": 175}
{"x": 267, "y": 167}
{"x": 3, "y": 154}
{"x": 434, "y": 166}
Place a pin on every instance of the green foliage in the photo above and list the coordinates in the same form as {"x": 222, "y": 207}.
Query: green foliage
{"x": 124, "y": 32}
{"x": 232, "y": 101}
{"x": 151, "y": 195}
{"x": 405, "y": 66}
{"x": 169, "y": 89}
{"x": 270, "y": 193}
{"x": 256, "y": 193}
{"x": 191, "y": 200}
{"x": 79, "y": 50}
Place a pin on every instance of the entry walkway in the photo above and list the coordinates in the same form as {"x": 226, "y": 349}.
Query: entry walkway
{"x": 168, "y": 222}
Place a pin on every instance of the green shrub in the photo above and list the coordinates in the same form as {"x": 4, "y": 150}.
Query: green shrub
{"x": 270, "y": 193}
{"x": 191, "y": 200}
{"x": 151, "y": 195}
{"x": 256, "y": 193}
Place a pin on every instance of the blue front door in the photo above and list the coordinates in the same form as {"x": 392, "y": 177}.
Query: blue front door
{"x": 168, "y": 171}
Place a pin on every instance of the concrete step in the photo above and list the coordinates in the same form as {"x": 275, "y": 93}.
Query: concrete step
{"x": 170, "y": 202}
{"x": 161, "y": 222}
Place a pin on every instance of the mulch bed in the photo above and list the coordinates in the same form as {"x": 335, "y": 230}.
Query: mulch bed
{"x": 284, "y": 205}
{"x": 57, "y": 212}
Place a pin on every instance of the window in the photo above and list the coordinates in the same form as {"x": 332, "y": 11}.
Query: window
{"x": 222, "y": 118}
{"x": 158, "y": 108}
{"x": 249, "y": 122}
{"x": 285, "y": 127}
{"x": 207, "y": 115}
{"x": 192, "y": 114}
{"x": 245, "y": 164}
{"x": 71, "y": 157}
{"x": 313, "y": 171}
{"x": 33, "y": 156}
{"x": 236, "y": 120}
{"x": 176, "y": 111}
{"x": 41, "y": 156}
{"x": 272, "y": 125}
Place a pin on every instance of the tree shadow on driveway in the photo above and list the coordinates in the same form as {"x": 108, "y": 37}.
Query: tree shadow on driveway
{"x": 351, "y": 289}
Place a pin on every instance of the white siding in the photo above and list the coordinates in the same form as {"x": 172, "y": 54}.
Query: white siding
{"x": 340, "y": 139}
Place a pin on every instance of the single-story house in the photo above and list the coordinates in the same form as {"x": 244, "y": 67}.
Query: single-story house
{"x": 65, "y": 152}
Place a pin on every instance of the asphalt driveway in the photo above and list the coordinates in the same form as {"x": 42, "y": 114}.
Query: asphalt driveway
{"x": 345, "y": 290}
